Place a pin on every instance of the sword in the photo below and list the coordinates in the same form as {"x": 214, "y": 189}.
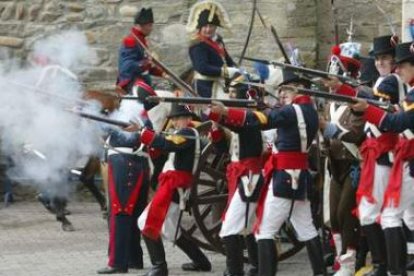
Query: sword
{"x": 183, "y": 195}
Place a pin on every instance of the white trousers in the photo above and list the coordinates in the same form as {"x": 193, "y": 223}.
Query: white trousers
{"x": 392, "y": 216}
{"x": 170, "y": 224}
{"x": 276, "y": 211}
{"x": 369, "y": 213}
{"x": 234, "y": 221}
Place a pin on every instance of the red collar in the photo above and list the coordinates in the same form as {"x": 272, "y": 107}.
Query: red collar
{"x": 302, "y": 99}
{"x": 213, "y": 44}
{"x": 139, "y": 35}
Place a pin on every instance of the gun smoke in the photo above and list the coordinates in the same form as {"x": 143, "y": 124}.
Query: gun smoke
{"x": 43, "y": 139}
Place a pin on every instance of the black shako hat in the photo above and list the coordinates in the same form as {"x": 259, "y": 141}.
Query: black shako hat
{"x": 290, "y": 77}
{"x": 385, "y": 45}
{"x": 178, "y": 110}
{"x": 144, "y": 16}
{"x": 404, "y": 52}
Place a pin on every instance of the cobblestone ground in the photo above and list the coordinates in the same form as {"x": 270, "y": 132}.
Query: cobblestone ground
{"x": 32, "y": 243}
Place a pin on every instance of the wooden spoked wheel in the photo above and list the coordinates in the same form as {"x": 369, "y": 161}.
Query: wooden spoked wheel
{"x": 208, "y": 200}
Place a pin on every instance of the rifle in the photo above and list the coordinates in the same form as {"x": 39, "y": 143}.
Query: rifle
{"x": 173, "y": 77}
{"x": 97, "y": 118}
{"x": 338, "y": 98}
{"x": 201, "y": 101}
{"x": 204, "y": 126}
{"x": 275, "y": 36}
{"x": 307, "y": 72}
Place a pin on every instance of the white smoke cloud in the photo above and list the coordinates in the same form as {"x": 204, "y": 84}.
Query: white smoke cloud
{"x": 43, "y": 139}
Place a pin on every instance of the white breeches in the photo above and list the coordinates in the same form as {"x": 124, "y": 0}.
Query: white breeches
{"x": 276, "y": 211}
{"x": 392, "y": 216}
{"x": 170, "y": 224}
{"x": 235, "y": 218}
{"x": 370, "y": 213}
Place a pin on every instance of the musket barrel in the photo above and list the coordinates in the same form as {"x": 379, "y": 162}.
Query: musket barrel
{"x": 339, "y": 98}
{"x": 306, "y": 71}
{"x": 203, "y": 101}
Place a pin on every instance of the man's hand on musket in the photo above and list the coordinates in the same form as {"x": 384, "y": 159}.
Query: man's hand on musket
{"x": 219, "y": 108}
{"x": 332, "y": 82}
{"x": 360, "y": 106}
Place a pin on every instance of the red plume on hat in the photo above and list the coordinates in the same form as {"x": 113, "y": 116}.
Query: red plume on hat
{"x": 351, "y": 65}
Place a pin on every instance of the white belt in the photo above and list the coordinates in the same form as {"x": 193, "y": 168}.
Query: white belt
{"x": 126, "y": 150}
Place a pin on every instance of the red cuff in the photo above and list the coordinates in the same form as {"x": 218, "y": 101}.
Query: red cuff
{"x": 214, "y": 116}
{"x": 147, "y": 136}
{"x": 374, "y": 115}
{"x": 236, "y": 117}
{"x": 346, "y": 90}
{"x": 216, "y": 135}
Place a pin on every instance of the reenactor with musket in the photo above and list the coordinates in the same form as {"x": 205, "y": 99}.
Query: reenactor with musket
{"x": 399, "y": 192}
{"x": 287, "y": 180}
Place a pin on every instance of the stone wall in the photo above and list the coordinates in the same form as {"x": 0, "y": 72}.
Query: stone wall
{"x": 303, "y": 23}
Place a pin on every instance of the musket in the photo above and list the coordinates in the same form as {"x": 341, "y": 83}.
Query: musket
{"x": 202, "y": 101}
{"x": 307, "y": 72}
{"x": 97, "y": 118}
{"x": 275, "y": 36}
{"x": 173, "y": 77}
{"x": 124, "y": 124}
{"x": 338, "y": 97}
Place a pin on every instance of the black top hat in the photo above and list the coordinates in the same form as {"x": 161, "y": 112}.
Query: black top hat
{"x": 144, "y": 16}
{"x": 203, "y": 19}
{"x": 290, "y": 77}
{"x": 385, "y": 45}
{"x": 178, "y": 110}
{"x": 404, "y": 52}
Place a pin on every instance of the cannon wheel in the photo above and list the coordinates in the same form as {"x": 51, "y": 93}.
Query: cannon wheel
{"x": 208, "y": 199}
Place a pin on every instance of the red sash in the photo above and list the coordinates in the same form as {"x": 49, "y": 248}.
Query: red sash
{"x": 213, "y": 44}
{"x": 404, "y": 151}
{"x": 371, "y": 150}
{"x": 116, "y": 206}
{"x": 237, "y": 169}
{"x": 279, "y": 161}
{"x": 169, "y": 182}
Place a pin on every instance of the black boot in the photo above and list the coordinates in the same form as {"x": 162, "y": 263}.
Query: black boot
{"x": 315, "y": 254}
{"x": 376, "y": 244}
{"x": 251, "y": 246}
{"x": 397, "y": 250}
{"x": 267, "y": 257}
{"x": 361, "y": 254}
{"x": 199, "y": 260}
{"x": 234, "y": 255}
{"x": 157, "y": 256}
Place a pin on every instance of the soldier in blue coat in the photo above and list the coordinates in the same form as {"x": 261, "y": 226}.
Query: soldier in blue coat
{"x": 211, "y": 62}
{"x": 287, "y": 172}
{"x": 399, "y": 192}
{"x": 135, "y": 67}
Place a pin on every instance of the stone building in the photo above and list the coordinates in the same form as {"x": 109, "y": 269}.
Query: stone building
{"x": 307, "y": 24}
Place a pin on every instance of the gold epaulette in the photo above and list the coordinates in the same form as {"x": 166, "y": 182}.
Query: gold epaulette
{"x": 194, "y": 40}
